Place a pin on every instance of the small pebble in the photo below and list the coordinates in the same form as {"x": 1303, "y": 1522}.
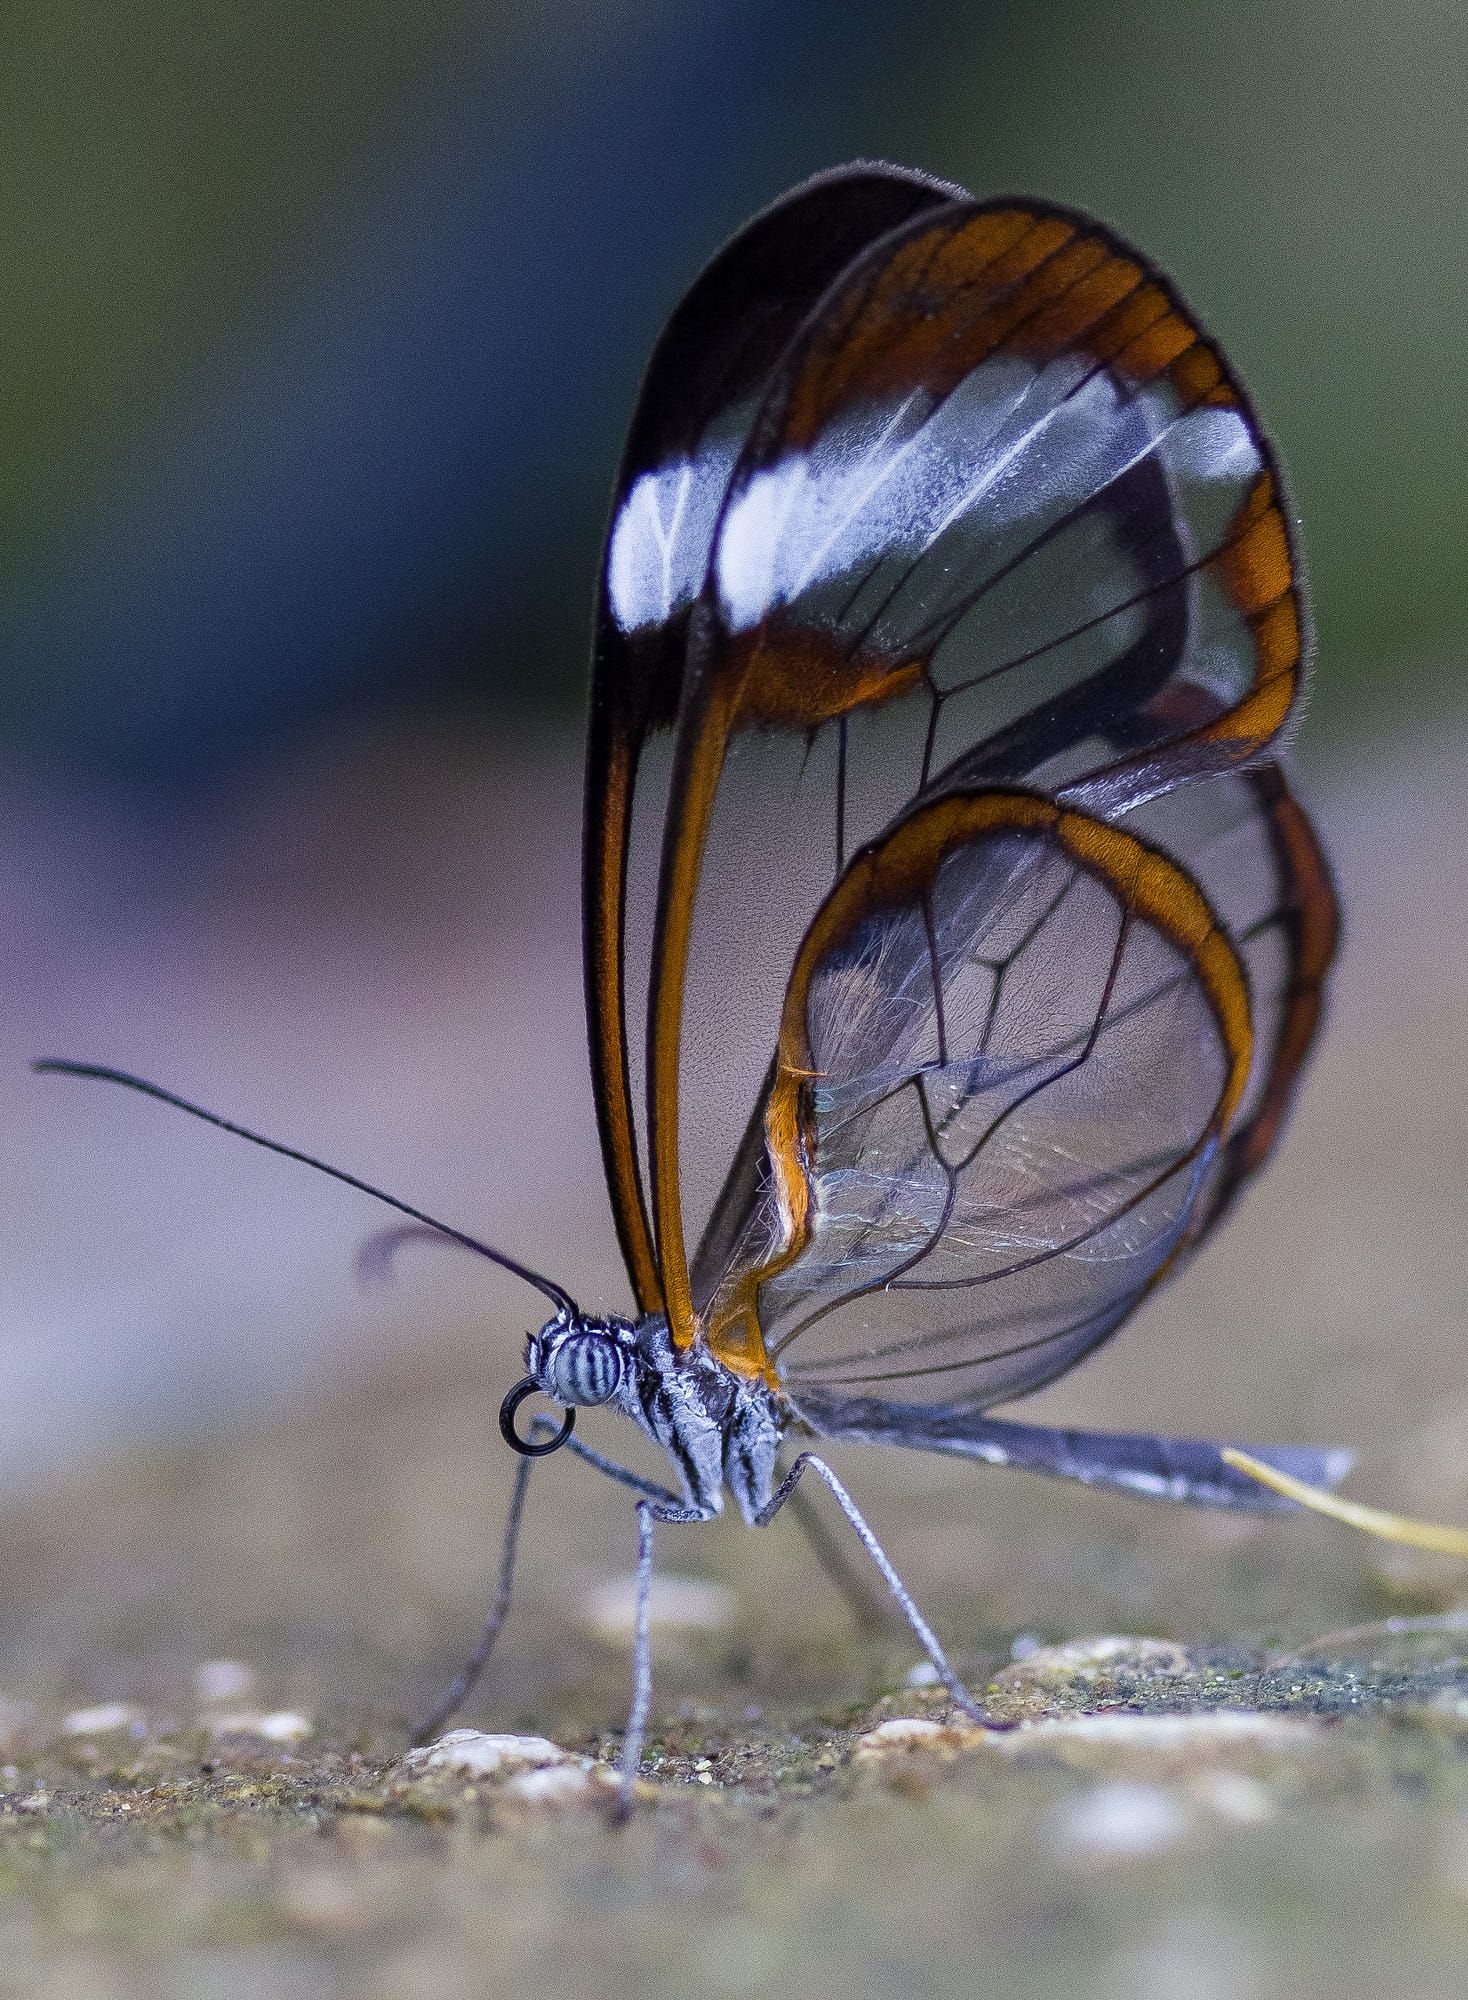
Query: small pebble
{"x": 675, "y": 1604}
{"x": 103, "y": 1719}
{"x": 903, "y": 1732}
{"x": 923, "y": 1675}
{"x": 1121, "y": 1821}
{"x": 1089, "y": 1659}
{"x": 473, "y": 1753}
{"x": 1205, "y": 1730}
{"x": 531, "y": 1768}
{"x": 916, "y": 1732}
{"x": 280, "y": 1725}
{"x": 562, "y": 1784}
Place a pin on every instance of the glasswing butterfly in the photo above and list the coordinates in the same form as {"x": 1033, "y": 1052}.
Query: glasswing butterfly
{"x": 949, "y": 634}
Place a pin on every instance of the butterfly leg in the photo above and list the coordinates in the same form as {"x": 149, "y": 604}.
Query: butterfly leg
{"x": 463, "y": 1682}
{"x": 649, "y": 1512}
{"x": 868, "y": 1611}
{"x": 922, "y": 1631}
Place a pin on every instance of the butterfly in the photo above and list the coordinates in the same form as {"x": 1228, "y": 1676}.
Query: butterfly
{"x": 949, "y": 636}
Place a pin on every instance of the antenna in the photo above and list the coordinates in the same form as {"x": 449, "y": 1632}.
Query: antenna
{"x": 59, "y": 1066}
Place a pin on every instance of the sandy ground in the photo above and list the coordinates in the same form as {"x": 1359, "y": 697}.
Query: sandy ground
{"x": 217, "y": 1448}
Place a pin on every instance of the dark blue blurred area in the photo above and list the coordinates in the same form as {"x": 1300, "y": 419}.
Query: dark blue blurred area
{"x": 331, "y": 316}
{"x": 390, "y": 486}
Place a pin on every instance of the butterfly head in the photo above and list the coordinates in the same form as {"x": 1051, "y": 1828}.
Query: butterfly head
{"x": 578, "y": 1362}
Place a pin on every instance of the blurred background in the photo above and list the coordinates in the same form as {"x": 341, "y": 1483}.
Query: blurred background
{"x": 324, "y": 319}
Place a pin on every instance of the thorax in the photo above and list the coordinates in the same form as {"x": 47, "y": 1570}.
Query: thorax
{"x": 720, "y": 1430}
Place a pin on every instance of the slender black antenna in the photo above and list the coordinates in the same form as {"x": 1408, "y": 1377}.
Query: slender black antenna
{"x": 58, "y": 1066}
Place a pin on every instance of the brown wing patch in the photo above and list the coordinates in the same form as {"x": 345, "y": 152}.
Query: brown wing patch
{"x": 611, "y": 773}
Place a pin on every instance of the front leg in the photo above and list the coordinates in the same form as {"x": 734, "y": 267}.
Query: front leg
{"x": 466, "y": 1679}
{"x": 648, "y": 1513}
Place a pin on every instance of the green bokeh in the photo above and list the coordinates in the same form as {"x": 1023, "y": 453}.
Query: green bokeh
{"x": 1301, "y": 170}
{"x": 168, "y": 162}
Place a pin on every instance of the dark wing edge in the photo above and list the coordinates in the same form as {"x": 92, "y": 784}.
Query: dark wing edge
{"x": 716, "y": 350}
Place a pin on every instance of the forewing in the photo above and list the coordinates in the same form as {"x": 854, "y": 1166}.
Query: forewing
{"x": 1015, "y": 1044}
{"x": 1004, "y": 458}
{"x": 1004, "y": 515}
{"x": 703, "y": 385}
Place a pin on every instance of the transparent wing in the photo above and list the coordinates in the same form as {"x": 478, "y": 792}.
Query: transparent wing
{"x": 1250, "y": 845}
{"x": 1003, "y": 515}
{"x": 1015, "y": 1044}
{"x": 1030, "y": 935}
{"x": 703, "y": 385}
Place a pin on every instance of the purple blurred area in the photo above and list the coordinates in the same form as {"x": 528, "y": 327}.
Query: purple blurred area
{"x": 373, "y": 953}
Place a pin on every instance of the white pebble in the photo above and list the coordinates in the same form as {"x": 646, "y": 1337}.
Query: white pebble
{"x": 923, "y": 1675}
{"x": 903, "y": 1732}
{"x": 475, "y": 1754}
{"x": 281, "y": 1725}
{"x": 103, "y": 1719}
{"x": 675, "y": 1603}
{"x": 223, "y": 1680}
{"x": 1122, "y": 1821}
{"x": 560, "y": 1784}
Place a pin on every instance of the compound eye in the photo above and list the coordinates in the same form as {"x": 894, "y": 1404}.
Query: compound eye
{"x": 585, "y": 1369}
